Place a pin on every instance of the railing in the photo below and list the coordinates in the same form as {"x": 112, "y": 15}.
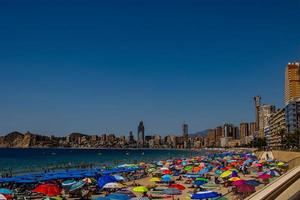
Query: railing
{"x": 274, "y": 189}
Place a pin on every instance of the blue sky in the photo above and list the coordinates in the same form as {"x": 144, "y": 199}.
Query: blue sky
{"x": 102, "y": 66}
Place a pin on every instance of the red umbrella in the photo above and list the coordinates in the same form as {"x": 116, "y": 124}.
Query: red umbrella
{"x": 265, "y": 176}
{"x": 167, "y": 172}
{"x": 246, "y": 188}
{"x": 49, "y": 190}
{"x": 177, "y": 186}
{"x": 238, "y": 183}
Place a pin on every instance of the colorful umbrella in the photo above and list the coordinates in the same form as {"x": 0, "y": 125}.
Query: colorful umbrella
{"x": 113, "y": 186}
{"x": 265, "y": 176}
{"x": 205, "y": 195}
{"x": 68, "y": 183}
{"x": 78, "y": 185}
{"x": 140, "y": 189}
{"x": 2, "y": 197}
{"x": 6, "y": 191}
{"x": 155, "y": 179}
{"x": 246, "y": 188}
{"x": 177, "y": 186}
{"x": 238, "y": 183}
{"x": 234, "y": 179}
{"x": 166, "y": 178}
{"x": 252, "y": 182}
{"x": 201, "y": 179}
{"x": 49, "y": 190}
{"x": 226, "y": 174}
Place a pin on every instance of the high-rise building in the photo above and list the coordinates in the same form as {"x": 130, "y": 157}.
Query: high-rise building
{"x": 244, "y": 132}
{"x": 265, "y": 111}
{"x": 277, "y": 123}
{"x": 185, "y": 130}
{"x": 292, "y": 116}
{"x": 257, "y": 103}
{"x": 292, "y": 82}
{"x": 141, "y": 135}
{"x": 252, "y": 128}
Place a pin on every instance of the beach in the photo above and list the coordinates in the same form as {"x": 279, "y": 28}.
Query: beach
{"x": 226, "y": 175}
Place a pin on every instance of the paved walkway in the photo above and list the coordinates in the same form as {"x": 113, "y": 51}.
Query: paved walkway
{"x": 267, "y": 155}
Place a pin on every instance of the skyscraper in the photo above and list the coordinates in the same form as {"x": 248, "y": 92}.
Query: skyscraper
{"x": 244, "y": 131}
{"x": 141, "y": 135}
{"x": 292, "y": 82}
{"x": 185, "y": 130}
{"x": 265, "y": 112}
{"x": 257, "y": 100}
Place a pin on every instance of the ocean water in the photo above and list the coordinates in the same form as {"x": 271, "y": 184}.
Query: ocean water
{"x": 25, "y": 160}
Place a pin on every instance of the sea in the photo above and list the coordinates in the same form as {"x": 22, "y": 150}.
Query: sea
{"x": 25, "y": 160}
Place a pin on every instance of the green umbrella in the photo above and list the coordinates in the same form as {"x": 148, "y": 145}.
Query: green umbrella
{"x": 202, "y": 179}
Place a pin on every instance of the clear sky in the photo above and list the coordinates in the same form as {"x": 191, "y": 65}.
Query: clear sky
{"x": 102, "y": 66}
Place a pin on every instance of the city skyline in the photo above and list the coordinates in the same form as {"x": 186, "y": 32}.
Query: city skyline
{"x": 107, "y": 67}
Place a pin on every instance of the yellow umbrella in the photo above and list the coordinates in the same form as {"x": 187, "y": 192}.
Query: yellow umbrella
{"x": 280, "y": 163}
{"x": 226, "y": 174}
{"x": 155, "y": 179}
{"x": 140, "y": 189}
{"x": 234, "y": 179}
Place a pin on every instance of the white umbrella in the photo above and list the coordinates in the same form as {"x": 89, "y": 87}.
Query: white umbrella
{"x": 113, "y": 186}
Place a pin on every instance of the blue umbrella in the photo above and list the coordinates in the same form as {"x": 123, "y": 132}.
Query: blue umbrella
{"x": 204, "y": 171}
{"x": 106, "y": 179}
{"x": 199, "y": 183}
{"x": 6, "y": 191}
{"x": 166, "y": 178}
{"x": 205, "y": 195}
{"x": 119, "y": 178}
{"x": 115, "y": 196}
{"x": 252, "y": 182}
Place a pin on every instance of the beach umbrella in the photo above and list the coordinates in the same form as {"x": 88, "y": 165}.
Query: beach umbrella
{"x": 201, "y": 179}
{"x": 226, "y": 174}
{"x": 140, "y": 189}
{"x": 155, "y": 179}
{"x": 119, "y": 178}
{"x": 167, "y": 172}
{"x": 140, "y": 198}
{"x": 106, "y": 179}
{"x": 166, "y": 178}
{"x": 177, "y": 186}
{"x": 113, "y": 186}
{"x": 78, "y": 185}
{"x": 188, "y": 168}
{"x": 252, "y": 182}
{"x": 49, "y": 190}
{"x": 280, "y": 164}
{"x": 238, "y": 183}
{"x": 265, "y": 176}
{"x": 172, "y": 191}
{"x": 204, "y": 171}
{"x": 218, "y": 172}
{"x": 234, "y": 174}
{"x": 205, "y": 195}
{"x": 271, "y": 172}
{"x": 5, "y": 191}
{"x": 2, "y": 197}
{"x": 199, "y": 183}
{"x": 116, "y": 196}
{"x": 68, "y": 183}
{"x": 234, "y": 179}
{"x": 246, "y": 188}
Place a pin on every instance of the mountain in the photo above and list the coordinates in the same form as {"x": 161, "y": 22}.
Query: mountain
{"x": 199, "y": 134}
